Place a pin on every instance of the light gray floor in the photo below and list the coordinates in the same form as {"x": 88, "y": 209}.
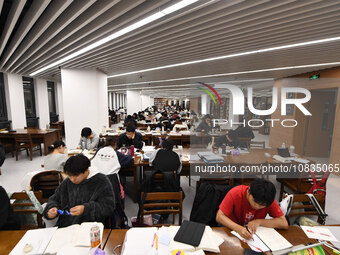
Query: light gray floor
{"x": 13, "y": 171}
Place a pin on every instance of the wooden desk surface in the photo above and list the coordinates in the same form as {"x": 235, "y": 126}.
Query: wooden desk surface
{"x": 9, "y": 239}
{"x": 231, "y": 245}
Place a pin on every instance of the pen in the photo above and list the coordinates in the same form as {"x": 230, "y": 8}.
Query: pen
{"x": 333, "y": 249}
{"x": 246, "y": 241}
{"x": 249, "y": 233}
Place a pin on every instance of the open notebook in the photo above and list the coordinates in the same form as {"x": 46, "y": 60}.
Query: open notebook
{"x": 75, "y": 235}
{"x": 58, "y": 240}
{"x": 266, "y": 239}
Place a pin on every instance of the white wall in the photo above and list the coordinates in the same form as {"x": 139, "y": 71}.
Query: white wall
{"x": 41, "y": 102}
{"x": 59, "y": 100}
{"x": 15, "y": 100}
{"x": 147, "y": 101}
{"x": 133, "y": 101}
{"x": 85, "y": 102}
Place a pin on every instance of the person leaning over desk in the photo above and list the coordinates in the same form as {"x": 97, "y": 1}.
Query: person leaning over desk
{"x": 130, "y": 137}
{"x": 88, "y": 139}
{"x": 244, "y": 208}
{"x": 84, "y": 196}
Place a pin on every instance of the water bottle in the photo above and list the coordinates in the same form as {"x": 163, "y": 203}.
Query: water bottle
{"x": 132, "y": 148}
{"x": 83, "y": 145}
{"x": 283, "y": 145}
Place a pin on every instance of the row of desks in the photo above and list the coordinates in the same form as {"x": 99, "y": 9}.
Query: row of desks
{"x": 45, "y": 136}
{"x": 255, "y": 157}
{"x": 112, "y": 238}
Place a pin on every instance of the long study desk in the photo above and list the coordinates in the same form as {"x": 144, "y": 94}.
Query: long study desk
{"x": 45, "y": 136}
{"x": 113, "y": 240}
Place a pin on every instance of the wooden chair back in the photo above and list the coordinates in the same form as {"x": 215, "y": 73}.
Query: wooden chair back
{"x": 302, "y": 206}
{"x": 26, "y": 207}
{"x": 47, "y": 182}
{"x": 163, "y": 203}
{"x": 257, "y": 144}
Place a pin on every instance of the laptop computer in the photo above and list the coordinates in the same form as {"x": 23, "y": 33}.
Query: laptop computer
{"x": 283, "y": 152}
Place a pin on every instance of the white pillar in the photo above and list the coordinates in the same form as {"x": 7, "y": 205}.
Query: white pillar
{"x": 146, "y": 101}
{"x": 59, "y": 100}
{"x": 15, "y": 101}
{"x": 41, "y": 101}
{"x": 85, "y": 104}
{"x": 231, "y": 116}
{"x": 134, "y": 102}
{"x": 204, "y": 104}
{"x": 110, "y": 99}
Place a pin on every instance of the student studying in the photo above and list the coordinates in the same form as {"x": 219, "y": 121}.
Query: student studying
{"x": 84, "y": 196}
{"x": 244, "y": 208}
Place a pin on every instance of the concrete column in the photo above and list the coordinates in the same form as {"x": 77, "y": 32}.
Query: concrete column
{"x": 205, "y": 104}
{"x": 85, "y": 104}
{"x": 134, "y": 102}
{"x": 109, "y": 95}
{"x": 15, "y": 100}
{"x": 41, "y": 102}
{"x": 59, "y": 101}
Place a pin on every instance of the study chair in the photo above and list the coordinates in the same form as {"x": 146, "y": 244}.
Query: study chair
{"x": 163, "y": 203}
{"x": 302, "y": 206}
{"x": 47, "y": 182}
{"x": 302, "y": 184}
{"x": 257, "y": 145}
{"x": 24, "y": 142}
{"x": 23, "y": 205}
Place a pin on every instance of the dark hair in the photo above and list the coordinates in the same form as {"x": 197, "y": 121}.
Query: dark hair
{"x": 168, "y": 144}
{"x": 86, "y": 132}
{"x": 110, "y": 141}
{"x": 130, "y": 128}
{"x": 263, "y": 192}
{"x": 55, "y": 145}
{"x": 76, "y": 165}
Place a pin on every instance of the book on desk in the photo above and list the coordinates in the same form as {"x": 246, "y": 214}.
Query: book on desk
{"x": 58, "y": 240}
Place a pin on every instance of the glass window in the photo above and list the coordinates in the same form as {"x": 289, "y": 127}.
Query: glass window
{"x": 3, "y": 108}
{"x": 29, "y": 97}
{"x": 51, "y": 102}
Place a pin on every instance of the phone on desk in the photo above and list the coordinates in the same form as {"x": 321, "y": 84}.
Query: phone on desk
{"x": 251, "y": 252}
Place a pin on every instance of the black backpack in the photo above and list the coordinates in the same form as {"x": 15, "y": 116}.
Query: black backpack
{"x": 206, "y": 203}
{"x": 119, "y": 219}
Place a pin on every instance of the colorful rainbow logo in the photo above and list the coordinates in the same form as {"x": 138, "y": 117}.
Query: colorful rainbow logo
{"x": 209, "y": 93}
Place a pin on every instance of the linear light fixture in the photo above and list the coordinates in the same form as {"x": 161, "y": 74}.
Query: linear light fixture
{"x": 134, "y": 26}
{"x": 288, "y": 46}
{"x": 246, "y": 72}
{"x": 185, "y": 78}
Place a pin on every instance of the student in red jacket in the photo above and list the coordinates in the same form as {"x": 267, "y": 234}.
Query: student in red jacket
{"x": 244, "y": 208}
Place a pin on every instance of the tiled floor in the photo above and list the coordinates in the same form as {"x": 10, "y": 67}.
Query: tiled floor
{"x": 13, "y": 172}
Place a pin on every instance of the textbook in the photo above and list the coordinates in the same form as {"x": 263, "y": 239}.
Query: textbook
{"x": 266, "y": 239}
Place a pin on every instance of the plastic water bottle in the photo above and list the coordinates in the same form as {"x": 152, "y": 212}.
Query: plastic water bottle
{"x": 83, "y": 145}
{"x": 283, "y": 145}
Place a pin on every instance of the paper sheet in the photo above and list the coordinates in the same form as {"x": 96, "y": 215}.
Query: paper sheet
{"x": 272, "y": 238}
{"x": 319, "y": 233}
{"x": 336, "y": 232}
{"x": 256, "y": 244}
{"x": 38, "y": 238}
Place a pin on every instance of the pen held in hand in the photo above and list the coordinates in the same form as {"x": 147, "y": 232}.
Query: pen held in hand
{"x": 249, "y": 233}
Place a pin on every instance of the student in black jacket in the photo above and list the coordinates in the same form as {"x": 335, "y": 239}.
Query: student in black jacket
{"x": 86, "y": 194}
{"x": 205, "y": 125}
{"x": 130, "y": 137}
{"x": 8, "y": 219}
{"x": 166, "y": 159}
